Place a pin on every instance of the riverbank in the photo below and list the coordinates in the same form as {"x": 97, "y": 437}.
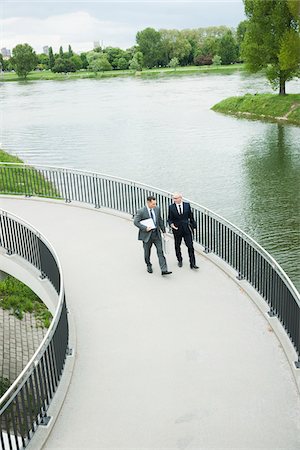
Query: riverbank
{"x": 282, "y": 108}
{"x": 164, "y": 71}
{"x": 13, "y": 182}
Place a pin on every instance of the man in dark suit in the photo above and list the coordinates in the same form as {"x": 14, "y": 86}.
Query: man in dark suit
{"x": 151, "y": 234}
{"x": 181, "y": 220}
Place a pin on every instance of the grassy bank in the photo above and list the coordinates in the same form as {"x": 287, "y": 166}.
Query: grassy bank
{"x": 18, "y": 181}
{"x": 82, "y": 74}
{"x": 285, "y": 108}
{"x": 19, "y": 298}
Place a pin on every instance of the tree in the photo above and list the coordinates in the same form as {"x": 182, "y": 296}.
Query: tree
{"x": 240, "y": 34}
{"x": 43, "y": 61}
{"x": 76, "y": 61}
{"x": 137, "y": 61}
{"x": 149, "y": 42}
{"x": 203, "y": 60}
{"x": 63, "y": 65}
{"x": 98, "y": 62}
{"x": 4, "y": 64}
{"x": 23, "y": 60}
{"x": 122, "y": 64}
{"x": 174, "y": 63}
{"x": 228, "y": 50}
{"x": 217, "y": 61}
{"x": 70, "y": 51}
{"x": 114, "y": 54}
{"x": 84, "y": 61}
{"x": 272, "y": 40}
{"x": 61, "y": 52}
{"x": 51, "y": 58}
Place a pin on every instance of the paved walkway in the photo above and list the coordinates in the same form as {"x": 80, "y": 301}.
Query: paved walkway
{"x": 19, "y": 339}
{"x": 180, "y": 362}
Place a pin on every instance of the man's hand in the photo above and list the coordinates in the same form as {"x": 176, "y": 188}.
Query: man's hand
{"x": 173, "y": 226}
{"x": 149, "y": 229}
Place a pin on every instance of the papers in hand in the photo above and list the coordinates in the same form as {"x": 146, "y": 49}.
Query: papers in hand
{"x": 148, "y": 223}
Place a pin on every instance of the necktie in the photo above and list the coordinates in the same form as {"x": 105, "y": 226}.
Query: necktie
{"x": 180, "y": 211}
{"x": 152, "y": 216}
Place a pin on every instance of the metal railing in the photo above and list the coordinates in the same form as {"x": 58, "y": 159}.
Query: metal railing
{"x": 214, "y": 233}
{"x": 24, "y": 405}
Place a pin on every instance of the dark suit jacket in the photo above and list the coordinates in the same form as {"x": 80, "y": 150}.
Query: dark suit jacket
{"x": 143, "y": 214}
{"x": 184, "y": 222}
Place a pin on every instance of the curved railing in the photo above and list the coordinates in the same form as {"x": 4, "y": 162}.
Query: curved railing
{"x": 24, "y": 405}
{"x": 215, "y": 234}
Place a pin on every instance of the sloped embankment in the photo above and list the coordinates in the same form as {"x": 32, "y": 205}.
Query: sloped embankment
{"x": 285, "y": 108}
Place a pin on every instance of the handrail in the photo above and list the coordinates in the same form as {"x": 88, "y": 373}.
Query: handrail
{"x": 24, "y": 405}
{"x": 213, "y": 232}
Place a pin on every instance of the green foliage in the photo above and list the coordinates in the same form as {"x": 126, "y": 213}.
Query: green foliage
{"x": 63, "y": 65}
{"x": 174, "y": 63}
{"x": 137, "y": 61}
{"x": 23, "y": 60}
{"x": 122, "y": 64}
{"x": 149, "y": 42}
{"x": 4, "y": 385}
{"x": 84, "y": 61}
{"x": 17, "y": 181}
{"x": 98, "y": 62}
{"x": 43, "y": 61}
{"x": 272, "y": 40}
{"x": 70, "y": 52}
{"x": 19, "y": 298}
{"x": 263, "y": 105}
{"x": 217, "y": 61}
{"x": 61, "y": 52}
{"x": 76, "y": 61}
{"x": 228, "y": 50}
{"x": 51, "y": 58}
{"x": 114, "y": 54}
{"x": 289, "y": 53}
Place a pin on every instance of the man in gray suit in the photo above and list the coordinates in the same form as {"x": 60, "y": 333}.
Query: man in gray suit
{"x": 151, "y": 235}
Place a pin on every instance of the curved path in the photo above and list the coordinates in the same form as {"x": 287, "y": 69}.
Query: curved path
{"x": 186, "y": 361}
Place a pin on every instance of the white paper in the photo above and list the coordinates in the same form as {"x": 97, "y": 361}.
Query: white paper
{"x": 166, "y": 245}
{"x": 148, "y": 223}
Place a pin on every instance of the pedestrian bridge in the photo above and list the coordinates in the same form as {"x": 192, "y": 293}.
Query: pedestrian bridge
{"x": 189, "y": 361}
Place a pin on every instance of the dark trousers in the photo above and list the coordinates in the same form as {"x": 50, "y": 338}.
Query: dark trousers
{"x": 188, "y": 239}
{"x": 154, "y": 239}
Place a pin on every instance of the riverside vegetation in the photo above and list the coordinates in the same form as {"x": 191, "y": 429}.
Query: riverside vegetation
{"x": 285, "y": 108}
{"x": 18, "y": 179}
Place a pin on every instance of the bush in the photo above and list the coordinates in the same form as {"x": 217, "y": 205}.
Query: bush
{"x": 203, "y": 60}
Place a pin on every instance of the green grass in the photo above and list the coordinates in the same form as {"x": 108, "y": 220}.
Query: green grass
{"x": 19, "y": 298}
{"x": 4, "y": 385}
{"x": 17, "y": 180}
{"x": 265, "y": 106}
{"x": 164, "y": 71}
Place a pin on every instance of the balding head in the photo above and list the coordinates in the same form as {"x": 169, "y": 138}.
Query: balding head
{"x": 177, "y": 197}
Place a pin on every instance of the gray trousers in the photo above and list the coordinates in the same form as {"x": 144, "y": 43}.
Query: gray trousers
{"x": 154, "y": 239}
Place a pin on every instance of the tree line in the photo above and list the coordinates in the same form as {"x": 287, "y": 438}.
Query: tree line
{"x": 268, "y": 39}
{"x": 162, "y": 48}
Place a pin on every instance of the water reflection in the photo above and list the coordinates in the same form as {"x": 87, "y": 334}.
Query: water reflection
{"x": 271, "y": 192}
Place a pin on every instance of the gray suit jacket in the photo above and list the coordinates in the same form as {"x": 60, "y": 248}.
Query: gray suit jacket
{"x": 143, "y": 214}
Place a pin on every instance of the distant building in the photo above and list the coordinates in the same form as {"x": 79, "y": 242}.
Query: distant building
{"x": 46, "y": 50}
{"x": 96, "y": 44}
{"x": 5, "y": 52}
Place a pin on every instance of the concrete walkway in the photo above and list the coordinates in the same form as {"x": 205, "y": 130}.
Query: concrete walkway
{"x": 180, "y": 362}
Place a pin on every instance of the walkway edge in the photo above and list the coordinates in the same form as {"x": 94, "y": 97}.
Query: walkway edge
{"x": 42, "y": 433}
{"x": 263, "y": 307}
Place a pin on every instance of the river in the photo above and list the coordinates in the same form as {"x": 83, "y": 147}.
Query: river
{"x": 161, "y": 131}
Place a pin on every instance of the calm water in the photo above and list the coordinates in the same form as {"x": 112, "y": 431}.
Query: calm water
{"x": 162, "y": 132}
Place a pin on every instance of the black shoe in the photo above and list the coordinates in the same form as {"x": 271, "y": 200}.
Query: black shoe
{"x": 166, "y": 272}
{"x": 149, "y": 269}
{"x": 180, "y": 263}
{"x": 193, "y": 266}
